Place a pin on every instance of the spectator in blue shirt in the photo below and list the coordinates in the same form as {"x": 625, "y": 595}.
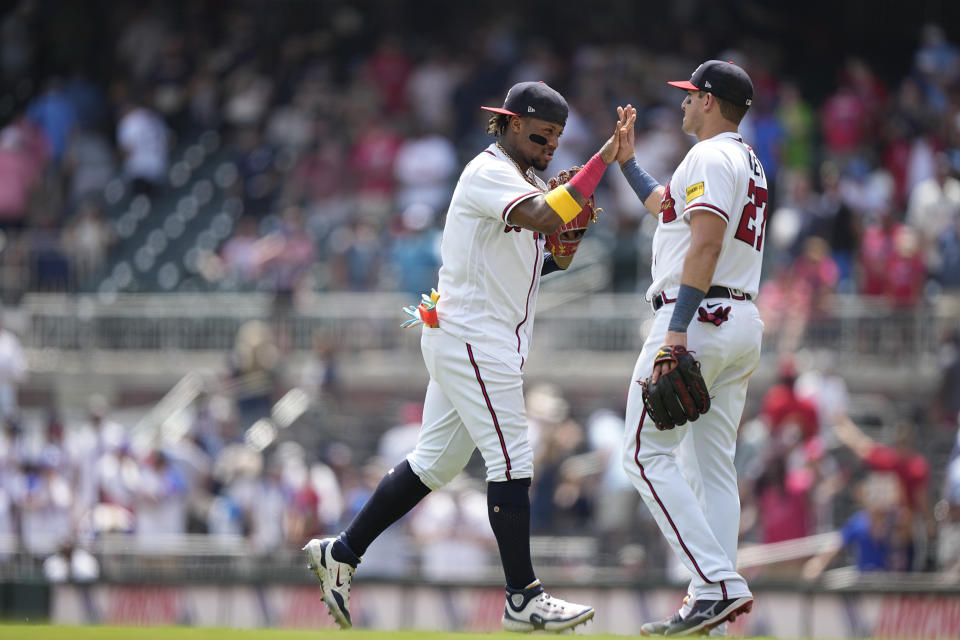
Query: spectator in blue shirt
{"x": 878, "y": 536}
{"x": 56, "y": 115}
{"x": 416, "y": 250}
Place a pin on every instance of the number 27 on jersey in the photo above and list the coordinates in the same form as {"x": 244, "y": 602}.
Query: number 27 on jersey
{"x": 748, "y": 230}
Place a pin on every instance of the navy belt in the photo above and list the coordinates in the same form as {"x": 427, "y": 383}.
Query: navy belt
{"x": 713, "y": 292}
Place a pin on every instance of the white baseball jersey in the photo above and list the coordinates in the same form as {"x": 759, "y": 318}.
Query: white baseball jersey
{"x": 722, "y": 175}
{"x": 488, "y": 292}
{"x": 491, "y": 269}
{"x": 686, "y": 475}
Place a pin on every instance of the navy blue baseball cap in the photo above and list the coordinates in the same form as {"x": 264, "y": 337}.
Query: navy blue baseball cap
{"x": 723, "y": 79}
{"x": 535, "y": 100}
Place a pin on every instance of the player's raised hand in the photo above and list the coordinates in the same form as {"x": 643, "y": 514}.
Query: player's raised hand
{"x": 627, "y": 116}
{"x": 608, "y": 152}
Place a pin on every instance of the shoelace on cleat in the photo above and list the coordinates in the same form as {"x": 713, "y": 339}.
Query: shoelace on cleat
{"x": 552, "y": 604}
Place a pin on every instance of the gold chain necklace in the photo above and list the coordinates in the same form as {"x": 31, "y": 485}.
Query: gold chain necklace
{"x": 510, "y": 158}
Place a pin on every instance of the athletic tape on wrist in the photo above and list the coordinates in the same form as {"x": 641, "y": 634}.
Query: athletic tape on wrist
{"x": 639, "y": 180}
{"x": 688, "y": 299}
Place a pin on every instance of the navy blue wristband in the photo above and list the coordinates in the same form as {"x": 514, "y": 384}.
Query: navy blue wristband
{"x": 688, "y": 299}
{"x": 640, "y": 181}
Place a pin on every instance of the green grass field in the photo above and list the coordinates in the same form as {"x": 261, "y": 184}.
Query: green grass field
{"x": 47, "y": 632}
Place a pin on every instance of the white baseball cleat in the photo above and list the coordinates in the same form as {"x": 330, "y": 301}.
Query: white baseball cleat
{"x": 532, "y": 609}
{"x": 335, "y": 578}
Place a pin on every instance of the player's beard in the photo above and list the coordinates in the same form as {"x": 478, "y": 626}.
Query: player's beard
{"x": 538, "y": 161}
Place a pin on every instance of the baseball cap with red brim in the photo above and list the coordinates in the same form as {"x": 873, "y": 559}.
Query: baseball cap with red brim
{"x": 723, "y": 79}
{"x": 534, "y": 100}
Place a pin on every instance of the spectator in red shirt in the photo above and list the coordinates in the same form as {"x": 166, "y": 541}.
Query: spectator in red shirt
{"x": 782, "y": 407}
{"x": 816, "y": 270}
{"x": 783, "y": 502}
{"x": 23, "y": 154}
{"x": 876, "y": 250}
{"x": 849, "y": 115}
{"x": 302, "y": 517}
{"x": 871, "y": 91}
{"x": 841, "y": 120}
{"x": 906, "y": 270}
{"x": 897, "y": 142}
{"x": 372, "y": 167}
{"x": 911, "y": 468}
{"x": 389, "y": 69}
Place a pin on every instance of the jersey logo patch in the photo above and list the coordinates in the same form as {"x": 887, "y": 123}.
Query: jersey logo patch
{"x": 694, "y": 191}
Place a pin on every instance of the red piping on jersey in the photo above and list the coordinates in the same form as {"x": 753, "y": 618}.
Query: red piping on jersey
{"x": 526, "y": 307}
{"x": 490, "y": 152}
{"x": 493, "y": 414}
{"x": 698, "y": 205}
{"x": 636, "y": 458}
{"x": 510, "y": 204}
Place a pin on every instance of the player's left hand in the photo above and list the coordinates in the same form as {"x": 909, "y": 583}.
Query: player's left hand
{"x": 673, "y": 338}
{"x": 680, "y": 392}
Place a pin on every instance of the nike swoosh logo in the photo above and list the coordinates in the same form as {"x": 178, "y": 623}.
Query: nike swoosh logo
{"x": 339, "y": 584}
{"x": 711, "y": 306}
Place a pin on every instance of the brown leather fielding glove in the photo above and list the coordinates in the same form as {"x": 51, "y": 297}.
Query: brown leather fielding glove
{"x": 680, "y": 394}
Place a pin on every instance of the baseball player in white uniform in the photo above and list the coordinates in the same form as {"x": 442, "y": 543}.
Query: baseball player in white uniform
{"x": 706, "y": 271}
{"x": 476, "y": 336}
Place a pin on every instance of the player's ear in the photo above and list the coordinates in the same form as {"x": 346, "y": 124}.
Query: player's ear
{"x": 515, "y": 124}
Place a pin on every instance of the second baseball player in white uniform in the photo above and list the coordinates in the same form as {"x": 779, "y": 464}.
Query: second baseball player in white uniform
{"x": 476, "y": 337}
{"x": 706, "y": 271}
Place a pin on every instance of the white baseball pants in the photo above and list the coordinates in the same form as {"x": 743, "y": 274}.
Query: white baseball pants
{"x": 686, "y": 475}
{"x": 473, "y": 401}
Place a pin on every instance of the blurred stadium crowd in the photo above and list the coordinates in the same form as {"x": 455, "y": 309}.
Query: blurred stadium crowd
{"x": 188, "y": 147}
